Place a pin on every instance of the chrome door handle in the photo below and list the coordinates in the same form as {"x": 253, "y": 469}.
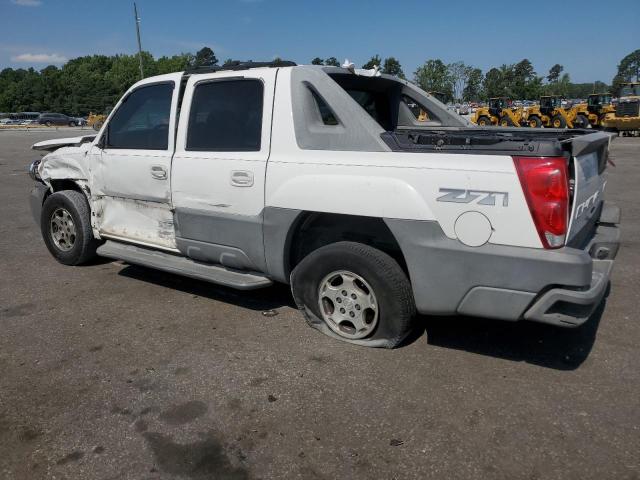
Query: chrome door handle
{"x": 241, "y": 178}
{"x": 158, "y": 172}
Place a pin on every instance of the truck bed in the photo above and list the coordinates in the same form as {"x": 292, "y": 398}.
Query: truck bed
{"x": 489, "y": 141}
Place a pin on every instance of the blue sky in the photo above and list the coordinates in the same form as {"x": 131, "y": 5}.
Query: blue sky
{"x": 588, "y": 37}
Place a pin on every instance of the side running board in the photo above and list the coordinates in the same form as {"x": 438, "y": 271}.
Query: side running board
{"x": 167, "y": 262}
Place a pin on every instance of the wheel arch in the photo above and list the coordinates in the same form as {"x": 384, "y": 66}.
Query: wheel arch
{"x": 309, "y": 230}
{"x": 60, "y": 184}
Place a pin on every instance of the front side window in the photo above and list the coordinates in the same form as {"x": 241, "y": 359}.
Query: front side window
{"x": 226, "y": 116}
{"x": 142, "y": 120}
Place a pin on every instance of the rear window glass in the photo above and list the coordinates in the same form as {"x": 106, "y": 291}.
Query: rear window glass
{"x": 226, "y": 116}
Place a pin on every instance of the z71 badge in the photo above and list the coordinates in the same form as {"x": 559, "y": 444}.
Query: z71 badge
{"x": 480, "y": 197}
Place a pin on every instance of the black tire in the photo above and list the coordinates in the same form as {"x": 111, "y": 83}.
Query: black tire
{"x": 558, "y": 121}
{"x": 48, "y": 124}
{"x": 582, "y": 121}
{"x": 505, "y": 122}
{"x": 84, "y": 245}
{"x": 534, "y": 122}
{"x": 484, "y": 122}
{"x": 72, "y": 124}
{"x": 391, "y": 287}
{"x": 97, "y": 126}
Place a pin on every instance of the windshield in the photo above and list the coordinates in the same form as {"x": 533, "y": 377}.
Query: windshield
{"x": 630, "y": 91}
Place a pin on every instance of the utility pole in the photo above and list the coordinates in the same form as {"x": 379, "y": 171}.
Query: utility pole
{"x": 137, "y": 18}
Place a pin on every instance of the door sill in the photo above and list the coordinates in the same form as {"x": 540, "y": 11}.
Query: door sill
{"x": 180, "y": 265}
{"x": 138, "y": 242}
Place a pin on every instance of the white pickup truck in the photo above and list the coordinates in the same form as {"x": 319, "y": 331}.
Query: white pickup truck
{"x": 359, "y": 190}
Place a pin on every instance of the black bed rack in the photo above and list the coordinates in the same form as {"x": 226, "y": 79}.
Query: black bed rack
{"x": 238, "y": 65}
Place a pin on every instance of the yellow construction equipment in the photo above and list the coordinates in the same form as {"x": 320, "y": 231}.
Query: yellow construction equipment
{"x": 550, "y": 113}
{"x": 95, "y": 121}
{"x": 626, "y": 117}
{"x": 594, "y": 111}
{"x": 498, "y": 112}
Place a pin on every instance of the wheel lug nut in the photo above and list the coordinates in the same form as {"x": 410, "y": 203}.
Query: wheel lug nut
{"x": 344, "y": 292}
{"x": 342, "y": 310}
{"x": 357, "y": 307}
{"x": 351, "y": 314}
{"x": 339, "y": 300}
{"x": 353, "y": 295}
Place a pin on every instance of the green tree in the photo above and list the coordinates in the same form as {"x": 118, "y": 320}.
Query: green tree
{"x": 373, "y": 61}
{"x": 205, "y": 58}
{"x": 392, "y": 66}
{"x": 628, "y": 71}
{"x": 434, "y": 76}
{"x": 317, "y": 61}
{"x": 494, "y": 83}
{"x": 554, "y": 73}
{"x": 473, "y": 88}
{"x": 332, "y": 62}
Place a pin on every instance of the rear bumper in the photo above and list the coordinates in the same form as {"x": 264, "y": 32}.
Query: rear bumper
{"x": 561, "y": 286}
{"x": 571, "y": 308}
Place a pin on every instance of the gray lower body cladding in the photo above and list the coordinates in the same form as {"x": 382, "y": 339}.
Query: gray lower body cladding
{"x": 504, "y": 282}
{"x": 234, "y": 241}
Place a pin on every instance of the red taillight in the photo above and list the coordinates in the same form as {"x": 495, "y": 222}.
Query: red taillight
{"x": 546, "y": 187}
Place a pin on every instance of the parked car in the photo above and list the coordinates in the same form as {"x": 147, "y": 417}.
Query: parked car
{"x": 324, "y": 179}
{"x": 50, "y": 119}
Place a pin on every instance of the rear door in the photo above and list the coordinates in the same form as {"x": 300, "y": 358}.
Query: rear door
{"x": 133, "y": 167}
{"x": 219, "y": 166}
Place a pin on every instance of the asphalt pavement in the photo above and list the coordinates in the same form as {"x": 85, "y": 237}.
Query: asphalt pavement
{"x": 110, "y": 371}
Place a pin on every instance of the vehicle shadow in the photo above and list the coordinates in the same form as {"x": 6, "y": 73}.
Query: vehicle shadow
{"x": 538, "y": 344}
{"x": 535, "y": 343}
{"x": 276, "y": 296}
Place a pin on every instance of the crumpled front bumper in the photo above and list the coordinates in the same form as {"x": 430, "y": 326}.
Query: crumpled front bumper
{"x": 571, "y": 308}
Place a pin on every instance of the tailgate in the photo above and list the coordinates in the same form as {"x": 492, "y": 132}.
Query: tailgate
{"x": 589, "y": 155}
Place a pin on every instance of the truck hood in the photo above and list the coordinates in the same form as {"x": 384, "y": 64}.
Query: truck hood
{"x": 51, "y": 145}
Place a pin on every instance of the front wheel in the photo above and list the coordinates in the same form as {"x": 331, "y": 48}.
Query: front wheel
{"x": 558, "y": 122}
{"x": 484, "y": 122}
{"x": 354, "y": 293}
{"x": 506, "y": 122}
{"x": 534, "y": 122}
{"x": 66, "y": 227}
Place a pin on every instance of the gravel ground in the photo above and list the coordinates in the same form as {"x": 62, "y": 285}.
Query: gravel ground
{"x": 111, "y": 371}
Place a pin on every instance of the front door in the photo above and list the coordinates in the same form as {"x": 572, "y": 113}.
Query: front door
{"x": 218, "y": 171}
{"x": 133, "y": 170}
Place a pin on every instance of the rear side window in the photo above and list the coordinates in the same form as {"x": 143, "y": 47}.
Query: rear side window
{"x": 327, "y": 115}
{"x": 142, "y": 121}
{"x": 226, "y": 116}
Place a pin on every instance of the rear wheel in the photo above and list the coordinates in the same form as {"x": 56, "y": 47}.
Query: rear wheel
{"x": 66, "y": 227}
{"x": 354, "y": 293}
{"x": 484, "y": 122}
{"x": 48, "y": 124}
{"x": 534, "y": 122}
{"x": 72, "y": 124}
{"x": 506, "y": 122}
{"x": 582, "y": 121}
{"x": 558, "y": 122}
